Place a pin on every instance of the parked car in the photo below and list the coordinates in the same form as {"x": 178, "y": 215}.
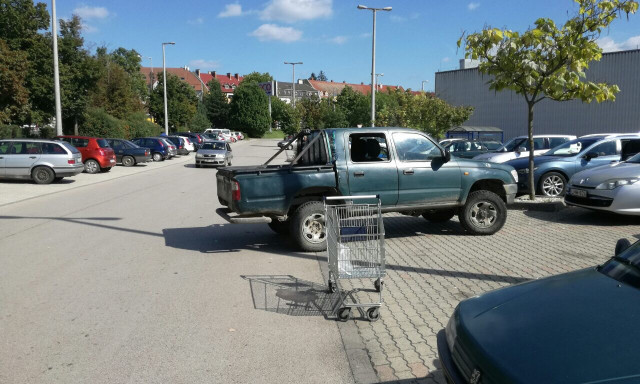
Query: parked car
{"x": 446, "y": 142}
{"x": 195, "y": 138}
{"x": 188, "y": 144}
{"x": 284, "y": 142}
{"x": 97, "y": 155}
{"x": 576, "y": 327}
{"x": 173, "y": 151}
{"x": 208, "y": 137}
{"x": 179, "y": 143}
{"x": 42, "y": 161}
{"x": 128, "y": 153}
{"x": 614, "y": 188}
{"x": 222, "y": 133}
{"x": 239, "y": 135}
{"x": 518, "y": 147}
{"x": 553, "y": 169}
{"x": 410, "y": 173}
{"x": 214, "y": 153}
{"x": 159, "y": 149}
{"x": 468, "y": 149}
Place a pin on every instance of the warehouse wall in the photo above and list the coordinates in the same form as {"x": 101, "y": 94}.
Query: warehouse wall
{"x": 508, "y": 111}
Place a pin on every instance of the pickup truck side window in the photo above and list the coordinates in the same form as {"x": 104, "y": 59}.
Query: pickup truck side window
{"x": 415, "y": 147}
{"x": 368, "y": 147}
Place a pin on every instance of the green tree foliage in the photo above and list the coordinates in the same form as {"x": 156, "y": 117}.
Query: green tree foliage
{"x": 97, "y": 122}
{"x": 313, "y": 76}
{"x": 14, "y": 96}
{"x": 284, "y": 116}
{"x": 311, "y": 113}
{"x": 20, "y": 21}
{"x": 355, "y": 106}
{"x": 137, "y": 125}
{"x": 249, "y": 110}
{"x": 257, "y": 77}
{"x": 322, "y": 76}
{"x": 548, "y": 61}
{"x": 200, "y": 122}
{"x": 130, "y": 60}
{"x": 181, "y": 102}
{"x": 333, "y": 115}
{"x": 216, "y": 105}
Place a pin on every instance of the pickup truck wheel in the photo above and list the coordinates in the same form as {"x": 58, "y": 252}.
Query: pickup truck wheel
{"x": 439, "y": 215}
{"x": 279, "y": 227}
{"x": 483, "y": 214}
{"x": 308, "y": 227}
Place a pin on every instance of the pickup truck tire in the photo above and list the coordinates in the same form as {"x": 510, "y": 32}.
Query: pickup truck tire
{"x": 439, "y": 215}
{"x": 483, "y": 214}
{"x": 308, "y": 229}
{"x": 279, "y": 227}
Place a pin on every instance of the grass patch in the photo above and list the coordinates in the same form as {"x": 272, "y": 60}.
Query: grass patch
{"x": 274, "y": 135}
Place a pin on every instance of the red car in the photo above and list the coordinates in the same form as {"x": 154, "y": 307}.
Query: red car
{"x": 97, "y": 155}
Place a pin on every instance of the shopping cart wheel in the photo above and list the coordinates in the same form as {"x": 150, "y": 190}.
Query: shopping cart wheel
{"x": 378, "y": 284}
{"x": 332, "y": 286}
{"x": 344, "y": 314}
{"x": 373, "y": 314}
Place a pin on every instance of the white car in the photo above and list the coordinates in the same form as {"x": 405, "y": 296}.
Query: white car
{"x": 614, "y": 188}
{"x": 518, "y": 147}
{"x": 188, "y": 145}
{"x": 446, "y": 142}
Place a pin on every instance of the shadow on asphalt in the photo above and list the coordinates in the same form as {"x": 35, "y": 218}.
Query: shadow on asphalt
{"x": 579, "y": 216}
{"x": 66, "y": 180}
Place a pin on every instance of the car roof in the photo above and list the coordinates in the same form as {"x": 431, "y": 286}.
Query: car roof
{"x": 78, "y": 137}
{"x": 32, "y": 140}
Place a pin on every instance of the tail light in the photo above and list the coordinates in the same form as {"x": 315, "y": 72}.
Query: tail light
{"x": 72, "y": 161}
{"x": 235, "y": 191}
{"x": 101, "y": 152}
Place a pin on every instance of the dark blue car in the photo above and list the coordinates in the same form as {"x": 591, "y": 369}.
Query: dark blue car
{"x": 159, "y": 150}
{"x": 555, "y": 168}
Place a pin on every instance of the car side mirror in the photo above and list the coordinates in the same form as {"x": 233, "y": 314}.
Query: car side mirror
{"x": 521, "y": 149}
{"x": 621, "y": 246}
{"x": 446, "y": 156}
{"x": 590, "y": 155}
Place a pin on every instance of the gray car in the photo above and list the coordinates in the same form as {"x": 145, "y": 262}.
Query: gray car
{"x": 214, "y": 153}
{"x": 42, "y": 161}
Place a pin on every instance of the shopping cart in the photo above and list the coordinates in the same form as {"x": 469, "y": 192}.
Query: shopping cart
{"x": 355, "y": 249}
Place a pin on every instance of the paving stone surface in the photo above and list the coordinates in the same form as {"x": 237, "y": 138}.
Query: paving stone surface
{"x": 432, "y": 267}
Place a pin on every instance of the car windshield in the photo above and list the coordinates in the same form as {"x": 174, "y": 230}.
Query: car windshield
{"x": 69, "y": 147}
{"x": 492, "y": 145}
{"x": 512, "y": 144}
{"x": 129, "y": 144}
{"x": 214, "y": 146}
{"x": 571, "y": 148}
{"x": 625, "y": 267}
{"x": 635, "y": 159}
{"x": 102, "y": 143}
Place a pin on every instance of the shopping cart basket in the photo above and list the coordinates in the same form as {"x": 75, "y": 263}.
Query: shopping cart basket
{"x": 355, "y": 249}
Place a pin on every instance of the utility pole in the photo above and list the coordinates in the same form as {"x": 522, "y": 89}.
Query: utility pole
{"x": 424, "y": 81}
{"x": 293, "y": 80}
{"x": 164, "y": 82}
{"x": 56, "y": 72}
{"x": 377, "y": 80}
{"x": 373, "y": 61}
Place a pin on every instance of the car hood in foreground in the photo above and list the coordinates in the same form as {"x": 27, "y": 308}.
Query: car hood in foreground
{"x": 596, "y": 176}
{"x": 580, "y": 327}
{"x": 212, "y": 152}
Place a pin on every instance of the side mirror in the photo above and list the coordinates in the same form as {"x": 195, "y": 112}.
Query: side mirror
{"x": 521, "y": 149}
{"x": 447, "y": 156}
{"x": 621, "y": 246}
{"x": 590, "y": 155}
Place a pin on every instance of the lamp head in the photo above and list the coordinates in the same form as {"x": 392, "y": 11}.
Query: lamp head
{"x": 362, "y": 7}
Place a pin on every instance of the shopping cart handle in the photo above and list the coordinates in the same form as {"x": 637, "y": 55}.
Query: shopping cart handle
{"x": 351, "y": 197}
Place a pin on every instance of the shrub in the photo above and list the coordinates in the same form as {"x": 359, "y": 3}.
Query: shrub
{"x": 137, "y": 125}
{"x": 47, "y": 132}
{"x": 99, "y": 123}
{"x": 10, "y": 131}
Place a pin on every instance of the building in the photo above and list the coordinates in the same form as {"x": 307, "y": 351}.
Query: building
{"x": 304, "y": 90}
{"x": 508, "y": 111}
{"x": 228, "y": 83}
{"x": 151, "y": 77}
{"x": 331, "y": 89}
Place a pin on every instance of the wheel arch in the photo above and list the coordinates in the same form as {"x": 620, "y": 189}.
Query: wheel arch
{"x": 311, "y": 194}
{"x": 492, "y": 185}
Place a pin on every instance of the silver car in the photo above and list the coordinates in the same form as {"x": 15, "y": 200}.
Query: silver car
{"x": 43, "y": 161}
{"x": 214, "y": 153}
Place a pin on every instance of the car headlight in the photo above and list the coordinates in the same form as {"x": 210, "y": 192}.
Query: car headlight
{"x": 451, "y": 332}
{"x": 199, "y": 155}
{"x": 514, "y": 174}
{"x": 615, "y": 183}
{"x": 525, "y": 171}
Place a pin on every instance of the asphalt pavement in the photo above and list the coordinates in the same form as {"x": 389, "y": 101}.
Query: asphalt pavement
{"x": 130, "y": 277}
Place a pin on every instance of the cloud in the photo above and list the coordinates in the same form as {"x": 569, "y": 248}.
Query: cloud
{"x": 86, "y": 12}
{"x": 473, "y": 6}
{"x": 89, "y": 28}
{"x": 273, "y": 32}
{"x": 339, "y": 40}
{"x": 196, "y": 21}
{"x": 204, "y": 64}
{"x": 365, "y": 35}
{"x": 609, "y": 45}
{"x": 231, "y": 10}
{"x": 294, "y": 10}
{"x": 397, "y": 19}
{"x": 446, "y": 59}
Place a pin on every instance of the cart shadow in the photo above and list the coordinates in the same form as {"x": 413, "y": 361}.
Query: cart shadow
{"x": 288, "y": 295}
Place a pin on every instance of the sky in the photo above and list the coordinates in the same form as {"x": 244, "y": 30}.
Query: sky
{"x": 413, "y": 41}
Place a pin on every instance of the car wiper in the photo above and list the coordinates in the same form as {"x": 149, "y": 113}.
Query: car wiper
{"x": 626, "y": 262}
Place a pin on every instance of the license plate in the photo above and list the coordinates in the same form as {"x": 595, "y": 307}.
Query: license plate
{"x": 579, "y": 193}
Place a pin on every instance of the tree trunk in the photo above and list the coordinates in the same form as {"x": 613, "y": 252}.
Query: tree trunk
{"x": 532, "y": 187}
{"x": 75, "y": 126}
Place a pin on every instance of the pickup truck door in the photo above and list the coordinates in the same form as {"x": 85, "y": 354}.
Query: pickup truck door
{"x": 371, "y": 169}
{"x": 423, "y": 175}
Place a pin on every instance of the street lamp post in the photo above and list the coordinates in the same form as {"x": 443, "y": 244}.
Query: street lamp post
{"x": 424, "y": 81}
{"x": 373, "y": 62}
{"x": 164, "y": 82}
{"x": 293, "y": 80}
{"x": 378, "y": 82}
{"x": 56, "y": 72}
{"x": 150, "y": 75}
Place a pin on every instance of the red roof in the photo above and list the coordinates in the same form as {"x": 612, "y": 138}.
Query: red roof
{"x": 182, "y": 73}
{"x": 228, "y": 82}
{"x": 330, "y": 88}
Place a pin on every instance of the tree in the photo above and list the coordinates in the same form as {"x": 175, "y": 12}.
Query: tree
{"x": 257, "y": 77}
{"x": 312, "y": 76}
{"x": 355, "y": 106}
{"x": 249, "y": 110}
{"x": 200, "y": 122}
{"x": 181, "y": 102}
{"x": 216, "y": 105}
{"x": 322, "y": 76}
{"x": 311, "y": 113}
{"x": 547, "y": 61}
{"x": 130, "y": 60}
{"x": 14, "y": 96}
{"x": 283, "y": 115}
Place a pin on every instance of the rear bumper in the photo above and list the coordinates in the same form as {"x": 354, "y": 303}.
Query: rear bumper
{"x": 510, "y": 192}
{"x": 68, "y": 171}
{"x": 106, "y": 162}
{"x": 234, "y": 218}
{"x": 143, "y": 159}
{"x": 451, "y": 373}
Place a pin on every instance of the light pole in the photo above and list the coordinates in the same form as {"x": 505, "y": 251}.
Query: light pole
{"x": 377, "y": 82}
{"x": 424, "y": 81}
{"x": 373, "y": 62}
{"x": 56, "y": 72}
{"x": 293, "y": 80}
{"x": 150, "y": 75}
{"x": 164, "y": 82}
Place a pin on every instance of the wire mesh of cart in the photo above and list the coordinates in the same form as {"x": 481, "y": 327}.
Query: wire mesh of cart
{"x": 355, "y": 249}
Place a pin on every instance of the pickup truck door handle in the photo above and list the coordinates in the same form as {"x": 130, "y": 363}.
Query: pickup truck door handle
{"x": 408, "y": 171}
{"x": 32, "y": 157}
{"x": 358, "y": 174}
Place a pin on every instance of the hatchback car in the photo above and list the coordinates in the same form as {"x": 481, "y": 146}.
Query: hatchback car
{"x": 188, "y": 144}
{"x": 214, "y": 153}
{"x": 518, "y": 148}
{"x": 179, "y": 143}
{"x": 614, "y": 188}
{"x": 195, "y": 138}
{"x": 159, "y": 149}
{"x": 553, "y": 169}
{"x": 173, "y": 150}
{"x": 97, "y": 155}
{"x": 577, "y": 327}
{"x": 42, "y": 161}
{"x": 128, "y": 153}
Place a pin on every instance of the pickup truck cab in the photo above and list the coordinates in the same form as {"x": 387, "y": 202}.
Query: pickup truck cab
{"x": 406, "y": 168}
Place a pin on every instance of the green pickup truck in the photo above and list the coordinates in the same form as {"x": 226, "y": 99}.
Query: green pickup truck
{"x": 407, "y": 169}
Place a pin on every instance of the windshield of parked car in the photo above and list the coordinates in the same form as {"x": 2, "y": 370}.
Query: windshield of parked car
{"x": 512, "y": 144}
{"x": 492, "y": 145}
{"x": 634, "y": 159}
{"x": 102, "y": 143}
{"x": 215, "y": 146}
{"x": 625, "y": 267}
{"x": 571, "y": 148}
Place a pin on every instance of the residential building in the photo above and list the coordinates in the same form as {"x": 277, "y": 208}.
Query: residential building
{"x": 304, "y": 90}
{"x": 332, "y": 89}
{"x": 508, "y": 110}
{"x": 183, "y": 73}
{"x": 228, "y": 82}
